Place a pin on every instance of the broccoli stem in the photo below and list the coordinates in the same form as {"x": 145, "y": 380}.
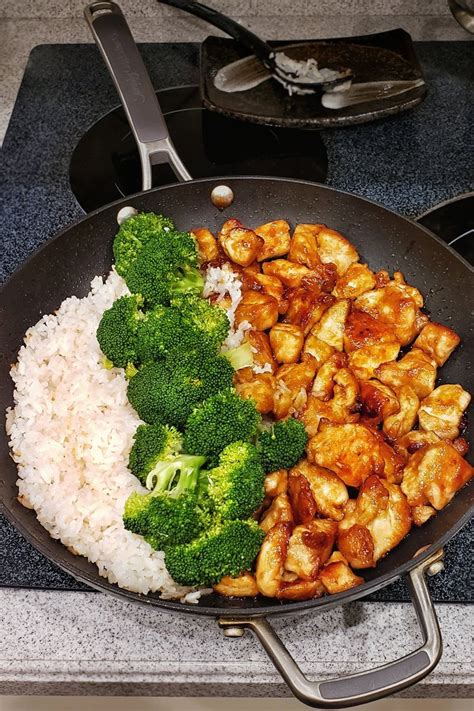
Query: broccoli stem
{"x": 163, "y": 475}
{"x": 240, "y": 356}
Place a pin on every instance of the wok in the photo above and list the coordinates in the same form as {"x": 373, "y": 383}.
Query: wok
{"x": 66, "y": 264}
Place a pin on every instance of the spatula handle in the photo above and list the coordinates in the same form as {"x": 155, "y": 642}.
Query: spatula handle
{"x": 253, "y": 43}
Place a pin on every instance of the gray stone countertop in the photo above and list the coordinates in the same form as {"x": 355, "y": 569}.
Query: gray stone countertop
{"x": 87, "y": 643}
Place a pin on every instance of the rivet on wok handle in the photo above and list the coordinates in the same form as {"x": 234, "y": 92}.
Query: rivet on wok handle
{"x": 369, "y": 685}
{"x": 222, "y": 196}
{"x": 134, "y": 87}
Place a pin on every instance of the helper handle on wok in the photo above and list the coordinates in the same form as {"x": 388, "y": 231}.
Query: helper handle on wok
{"x": 124, "y": 62}
{"x": 365, "y": 686}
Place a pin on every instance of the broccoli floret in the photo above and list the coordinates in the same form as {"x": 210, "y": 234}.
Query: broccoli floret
{"x": 240, "y": 356}
{"x": 168, "y": 391}
{"x": 211, "y": 322}
{"x": 218, "y": 421}
{"x": 283, "y": 445}
{"x": 166, "y": 265}
{"x": 227, "y": 548}
{"x": 159, "y": 333}
{"x": 134, "y": 234}
{"x": 117, "y": 330}
{"x": 153, "y": 444}
{"x": 172, "y": 513}
{"x": 236, "y": 484}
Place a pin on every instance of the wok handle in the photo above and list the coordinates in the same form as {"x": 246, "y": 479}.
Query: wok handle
{"x": 368, "y": 685}
{"x": 114, "y": 39}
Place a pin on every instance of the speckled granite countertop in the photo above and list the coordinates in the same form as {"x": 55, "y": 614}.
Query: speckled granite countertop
{"x": 81, "y": 642}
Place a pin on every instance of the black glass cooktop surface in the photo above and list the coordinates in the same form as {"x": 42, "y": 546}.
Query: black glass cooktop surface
{"x": 453, "y": 221}
{"x": 105, "y": 164}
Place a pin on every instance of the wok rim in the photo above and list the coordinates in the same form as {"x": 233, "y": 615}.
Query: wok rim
{"x": 289, "y": 607}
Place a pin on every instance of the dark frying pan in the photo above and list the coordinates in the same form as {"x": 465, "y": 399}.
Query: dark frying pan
{"x": 68, "y": 262}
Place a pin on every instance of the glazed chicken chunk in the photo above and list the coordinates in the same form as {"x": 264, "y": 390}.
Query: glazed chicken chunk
{"x": 337, "y": 576}
{"x": 239, "y": 243}
{"x": 330, "y": 328}
{"x": 293, "y": 380}
{"x": 304, "y": 246}
{"x": 260, "y": 388}
{"x": 334, "y": 396}
{"x": 415, "y": 370}
{"x": 398, "y": 306}
{"x": 279, "y": 511}
{"x": 305, "y": 307}
{"x": 328, "y": 492}
{"x": 271, "y": 559}
{"x": 262, "y": 350}
{"x": 286, "y": 341}
{"x": 207, "y": 245}
{"x": 276, "y": 239}
{"x": 434, "y": 474}
{"x": 260, "y": 310}
{"x": 309, "y": 547}
{"x": 437, "y": 341}
{"x": 354, "y": 452}
{"x": 290, "y": 274}
{"x": 401, "y": 422}
{"x": 378, "y": 401}
{"x": 374, "y": 523}
{"x": 355, "y": 281}
{"x": 263, "y": 283}
{"x": 317, "y": 349}
{"x": 276, "y": 483}
{"x": 335, "y": 248}
{"x": 442, "y": 410}
{"x": 365, "y": 362}
{"x": 243, "y": 586}
{"x": 362, "y": 330}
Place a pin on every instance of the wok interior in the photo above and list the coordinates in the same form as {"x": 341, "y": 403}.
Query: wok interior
{"x": 67, "y": 264}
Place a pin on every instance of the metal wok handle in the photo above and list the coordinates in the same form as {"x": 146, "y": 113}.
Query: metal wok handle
{"x": 366, "y": 686}
{"x": 124, "y": 62}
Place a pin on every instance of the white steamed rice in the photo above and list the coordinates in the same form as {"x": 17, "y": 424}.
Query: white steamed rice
{"x": 70, "y": 434}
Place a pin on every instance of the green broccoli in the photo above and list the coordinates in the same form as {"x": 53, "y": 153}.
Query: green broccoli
{"x": 172, "y": 513}
{"x": 236, "y": 484}
{"x": 160, "y": 332}
{"x": 134, "y": 234}
{"x": 283, "y": 445}
{"x": 168, "y": 391}
{"x": 166, "y": 265}
{"x": 221, "y": 419}
{"x": 153, "y": 444}
{"x": 117, "y": 330}
{"x": 211, "y": 322}
{"x": 240, "y": 356}
{"x": 227, "y": 548}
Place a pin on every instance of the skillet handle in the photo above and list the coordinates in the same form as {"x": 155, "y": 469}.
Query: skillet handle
{"x": 124, "y": 62}
{"x": 368, "y": 685}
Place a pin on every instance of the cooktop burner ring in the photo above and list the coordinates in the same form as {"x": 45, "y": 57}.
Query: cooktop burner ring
{"x": 453, "y": 221}
{"x": 105, "y": 166}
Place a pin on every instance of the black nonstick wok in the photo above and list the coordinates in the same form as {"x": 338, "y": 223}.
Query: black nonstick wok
{"x": 67, "y": 263}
